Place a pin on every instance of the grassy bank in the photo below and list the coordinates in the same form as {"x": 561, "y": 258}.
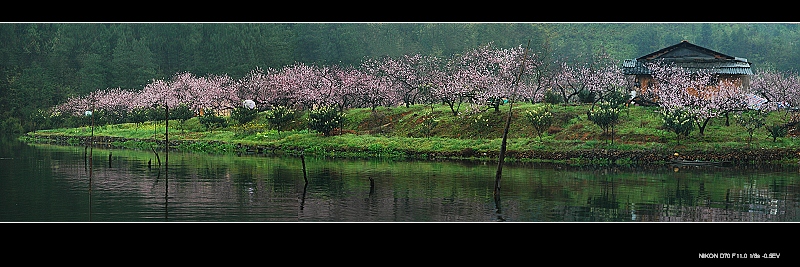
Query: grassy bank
{"x": 425, "y": 132}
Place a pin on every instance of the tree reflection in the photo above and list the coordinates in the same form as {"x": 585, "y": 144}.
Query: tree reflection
{"x": 206, "y": 186}
{"x": 498, "y": 210}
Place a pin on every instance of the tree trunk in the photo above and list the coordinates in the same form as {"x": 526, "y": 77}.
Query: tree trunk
{"x": 702, "y": 126}
{"x": 502, "y": 152}
{"x": 502, "y": 156}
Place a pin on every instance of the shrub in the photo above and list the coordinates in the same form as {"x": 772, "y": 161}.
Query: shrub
{"x": 182, "y": 113}
{"x": 324, "y": 120}
{"x": 280, "y": 117}
{"x": 679, "y": 121}
{"x": 777, "y": 130}
{"x": 211, "y": 121}
{"x": 605, "y": 116}
{"x": 586, "y": 96}
{"x": 11, "y": 125}
{"x": 243, "y": 115}
{"x": 77, "y": 121}
{"x": 115, "y": 115}
{"x": 429, "y": 122}
{"x": 551, "y": 97}
{"x": 100, "y": 117}
{"x": 751, "y": 120}
{"x": 616, "y": 98}
{"x": 156, "y": 113}
{"x": 138, "y": 116}
{"x": 40, "y": 119}
{"x": 540, "y": 118}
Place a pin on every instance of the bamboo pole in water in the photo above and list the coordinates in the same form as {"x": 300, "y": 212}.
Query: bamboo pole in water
{"x": 502, "y": 156}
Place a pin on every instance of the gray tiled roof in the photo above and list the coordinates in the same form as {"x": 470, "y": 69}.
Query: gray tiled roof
{"x": 738, "y": 67}
{"x": 691, "y": 57}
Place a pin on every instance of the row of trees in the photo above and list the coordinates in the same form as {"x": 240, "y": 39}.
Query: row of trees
{"x": 474, "y": 77}
{"x": 465, "y": 82}
{"x": 687, "y": 100}
{"x": 42, "y": 64}
{"x": 690, "y": 100}
{"x": 477, "y": 77}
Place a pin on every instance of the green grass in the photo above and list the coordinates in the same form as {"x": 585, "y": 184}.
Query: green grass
{"x": 400, "y": 132}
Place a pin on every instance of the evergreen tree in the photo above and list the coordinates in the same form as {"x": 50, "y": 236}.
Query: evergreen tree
{"x": 132, "y": 65}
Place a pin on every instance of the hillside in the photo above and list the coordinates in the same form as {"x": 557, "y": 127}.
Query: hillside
{"x": 46, "y": 63}
{"x": 425, "y": 132}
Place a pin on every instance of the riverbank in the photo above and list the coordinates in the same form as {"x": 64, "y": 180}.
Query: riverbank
{"x": 434, "y": 133}
{"x": 573, "y": 157}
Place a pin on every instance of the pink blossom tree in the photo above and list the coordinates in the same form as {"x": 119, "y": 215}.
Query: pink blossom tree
{"x": 699, "y": 92}
{"x": 569, "y": 80}
{"x": 487, "y": 75}
{"x": 779, "y": 88}
{"x": 376, "y": 91}
{"x": 216, "y": 92}
{"x": 607, "y": 83}
{"x": 594, "y": 81}
{"x": 342, "y": 87}
{"x": 294, "y": 86}
{"x": 297, "y": 85}
{"x": 258, "y": 86}
{"x": 453, "y": 85}
{"x": 408, "y": 75}
{"x": 155, "y": 93}
{"x": 503, "y": 73}
{"x": 110, "y": 105}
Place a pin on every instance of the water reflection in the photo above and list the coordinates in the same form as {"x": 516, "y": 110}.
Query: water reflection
{"x": 52, "y": 183}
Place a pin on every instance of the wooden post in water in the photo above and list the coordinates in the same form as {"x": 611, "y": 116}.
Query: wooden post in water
{"x": 498, "y": 211}
{"x": 91, "y": 167}
{"x": 166, "y": 163}
{"x": 502, "y": 156}
{"x": 109, "y": 159}
{"x": 303, "y": 159}
{"x": 371, "y": 186}
{"x": 166, "y": 134}
{"x": 166, "y": 189}
{"x": 85, "y": 167}
{"x": 303, "y": 199}
{"x": 91, "y": 149}
{"x": 92, "y": 136}
{"x": 157, "y": 158}
{"x": 305, "y": 178}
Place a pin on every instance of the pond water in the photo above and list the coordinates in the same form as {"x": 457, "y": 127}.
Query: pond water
{"x": 49, "y": 183}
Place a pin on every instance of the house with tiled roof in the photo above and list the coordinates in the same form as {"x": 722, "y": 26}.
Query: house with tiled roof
{"x": 691, "y": 57}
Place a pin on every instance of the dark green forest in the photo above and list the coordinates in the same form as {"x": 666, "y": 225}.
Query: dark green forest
{"x": 42, "y": 64}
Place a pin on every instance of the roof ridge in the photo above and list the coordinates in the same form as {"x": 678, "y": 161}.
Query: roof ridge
{"x": 685, "y": 44}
